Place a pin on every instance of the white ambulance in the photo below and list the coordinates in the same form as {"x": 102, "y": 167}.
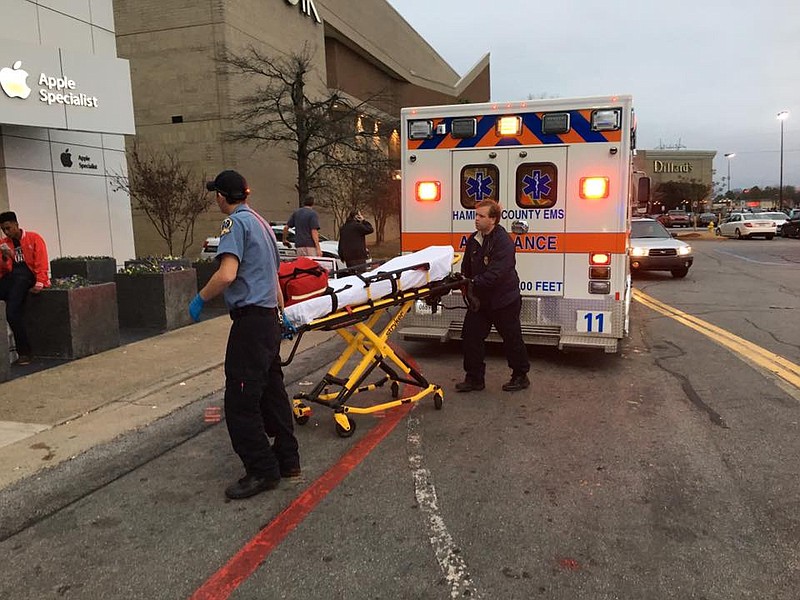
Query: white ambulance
{"x": 561, "y": 169}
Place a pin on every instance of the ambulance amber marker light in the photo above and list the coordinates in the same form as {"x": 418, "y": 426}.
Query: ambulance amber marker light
{"x": 593, "y": 188}
{"x": 429, "y": 191}
{"x": 600, "y": 258}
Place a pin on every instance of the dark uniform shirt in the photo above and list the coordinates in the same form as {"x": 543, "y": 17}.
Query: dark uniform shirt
{"x": 490, "y": 261}
{"x": 249, "y": 238}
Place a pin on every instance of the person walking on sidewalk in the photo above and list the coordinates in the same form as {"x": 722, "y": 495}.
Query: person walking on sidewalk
{"x": 306, "y": 229}
{"x": 23, "y": 269}
{"x": 256, "y": 402}
{"x": 353, "y": 239}
{"x": 490, "y": 262}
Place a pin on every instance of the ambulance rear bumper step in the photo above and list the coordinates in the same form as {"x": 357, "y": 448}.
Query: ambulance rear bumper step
{"x": 609, "y": 345}
{"x": 440, "y": 334}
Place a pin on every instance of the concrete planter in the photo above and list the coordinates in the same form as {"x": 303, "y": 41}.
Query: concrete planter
{"x": 155, "y": 300}
{"x": 205, "y": 269}
{"x": 96, "y": 270}
{"x": 5, "y": 347}
{"x": 73, "y": 323}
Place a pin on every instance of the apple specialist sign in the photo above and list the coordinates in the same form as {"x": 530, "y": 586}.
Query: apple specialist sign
{"x": 14, "y": 82}
{"x": 55, "y": 87}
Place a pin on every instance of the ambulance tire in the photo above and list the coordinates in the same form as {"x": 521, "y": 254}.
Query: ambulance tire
{"x": 680, "y": 273}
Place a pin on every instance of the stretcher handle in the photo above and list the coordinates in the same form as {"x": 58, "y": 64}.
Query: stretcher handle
{"x": 297, "y": 339}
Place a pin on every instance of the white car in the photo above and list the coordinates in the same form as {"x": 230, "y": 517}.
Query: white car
{"x": 747, "y": 225}
{"x": 779, "y": 217}
{"x": 652, "y": 248}
{"x": 330, "y": 248}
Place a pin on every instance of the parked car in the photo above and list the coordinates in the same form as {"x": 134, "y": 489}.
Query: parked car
{"x": 791, "y": 228}
{"x": 779, "y": 217}
{"x": 747, "y": 225}
{"x": 652, "y": 248}
{"x": 705, "y": 219}
{"x": 330, "y": 248}
{"x": 678, "y": 218}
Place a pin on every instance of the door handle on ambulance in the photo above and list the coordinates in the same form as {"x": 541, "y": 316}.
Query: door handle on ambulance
{"x": 519, "y": 227}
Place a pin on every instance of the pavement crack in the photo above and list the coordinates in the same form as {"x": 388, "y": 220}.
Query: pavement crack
{"x": 772, "y": 335}
{"x": 686, "y": 384}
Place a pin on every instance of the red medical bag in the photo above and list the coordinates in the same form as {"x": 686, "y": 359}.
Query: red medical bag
{"x": 301, "y": 279}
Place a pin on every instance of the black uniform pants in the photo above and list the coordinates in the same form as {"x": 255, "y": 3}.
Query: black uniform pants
{"x": 14, "y": 289}
{"x": 476, "y": 328}
{"x": 256, "y": 403}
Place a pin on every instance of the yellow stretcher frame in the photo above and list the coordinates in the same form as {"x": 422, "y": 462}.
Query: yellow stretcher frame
{"x": 375, "y": 350}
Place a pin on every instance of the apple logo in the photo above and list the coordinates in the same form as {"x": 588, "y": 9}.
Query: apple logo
{"x": 66, "y": 158}
{"x": 13, "y": 81}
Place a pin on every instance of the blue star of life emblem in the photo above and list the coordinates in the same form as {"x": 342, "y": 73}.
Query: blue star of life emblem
{"x": 536, "y": 185}
{"x": 480, "y": 186}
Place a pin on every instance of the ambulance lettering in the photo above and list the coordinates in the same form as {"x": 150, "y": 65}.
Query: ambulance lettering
{"x": 533, "y": 242}
{"x": 541, "y": 286}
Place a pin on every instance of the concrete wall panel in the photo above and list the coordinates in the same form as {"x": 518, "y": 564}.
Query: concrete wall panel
{"x": 78, "y": 9}
{"x": 25, "y": 153}
{"x": 83, "y": 216}
{"x": 57, "y": 29}
{"x": 31, "y": 196}
{"x": 102, "y": 12}
{"x": 22, "y": 13}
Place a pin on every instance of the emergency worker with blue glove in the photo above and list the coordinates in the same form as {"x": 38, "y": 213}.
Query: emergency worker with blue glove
{"x": 256, "y": 402}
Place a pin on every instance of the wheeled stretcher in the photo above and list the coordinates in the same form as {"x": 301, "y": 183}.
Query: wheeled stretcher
{"x": 366, "y": 327}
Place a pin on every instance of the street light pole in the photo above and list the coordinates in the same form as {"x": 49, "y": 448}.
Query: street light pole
{"x": 729, "y": 156}
{"x": 782, "y": 116}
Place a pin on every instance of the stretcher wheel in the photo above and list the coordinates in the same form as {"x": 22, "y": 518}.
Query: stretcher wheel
{"x": 345, "y": 433}
{"x": 302, "y": 420}
{"x": 437, "y": 401}
{"x": 301, "y": 412}
{"x": 395, "y": 390}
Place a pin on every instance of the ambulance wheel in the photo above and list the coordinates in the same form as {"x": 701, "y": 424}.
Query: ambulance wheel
{"x": 437, "y": 401}
{"x": 395, "y": 390}
{"x": 346, "y": 433}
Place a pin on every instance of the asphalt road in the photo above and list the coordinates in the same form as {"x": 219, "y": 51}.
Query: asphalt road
{"x": 667, "y": 471}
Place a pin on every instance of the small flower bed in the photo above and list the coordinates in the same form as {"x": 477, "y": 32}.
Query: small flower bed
{"x": 69, "y": 283}
{"x": 153, "y": 264}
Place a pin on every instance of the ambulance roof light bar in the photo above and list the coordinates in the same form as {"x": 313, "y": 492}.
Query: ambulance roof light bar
{"x": 607, "y": 119}
{"x": 420, "y": 130}
{"x": 508, "y": 126}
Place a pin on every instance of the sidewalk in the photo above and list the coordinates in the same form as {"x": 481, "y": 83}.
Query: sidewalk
{"x": 54, "y": 415}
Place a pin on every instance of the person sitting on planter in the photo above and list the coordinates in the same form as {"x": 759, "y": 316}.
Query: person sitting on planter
{"x": 23, "y": 268}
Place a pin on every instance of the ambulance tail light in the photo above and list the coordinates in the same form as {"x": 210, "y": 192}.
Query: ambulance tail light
{"x": 429, "y": 191}
{"x": 594, "y": 188}
{"x": 600, "y": 273}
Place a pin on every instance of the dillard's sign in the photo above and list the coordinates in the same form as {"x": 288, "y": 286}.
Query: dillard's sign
{"x": 660, "y": 166}
{"x": 307, "y": 8}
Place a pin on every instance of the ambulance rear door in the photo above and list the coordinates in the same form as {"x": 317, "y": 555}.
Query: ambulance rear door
{"x": 528, "y": 183}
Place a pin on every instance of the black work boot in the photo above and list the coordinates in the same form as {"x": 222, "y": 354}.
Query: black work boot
{"x": 517, "y": 382}
{"x": 250, "y": 485}
{"x": 469, "y": 385}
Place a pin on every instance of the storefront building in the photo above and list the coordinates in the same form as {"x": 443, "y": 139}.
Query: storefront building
{"x": 65, "y": 106}
{"x": 183, "y": 99}
{"x": 688, "y": 166}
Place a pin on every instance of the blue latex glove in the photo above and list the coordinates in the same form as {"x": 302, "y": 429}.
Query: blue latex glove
{"x": 196, "y": 307}
{"x": 287, "y": 329}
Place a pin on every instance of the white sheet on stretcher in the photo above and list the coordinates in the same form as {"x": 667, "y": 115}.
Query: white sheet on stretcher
{"x": 352, "y": 291}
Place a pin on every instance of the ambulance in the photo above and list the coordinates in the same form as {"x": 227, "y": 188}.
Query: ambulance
{"x": 561, "y": 170}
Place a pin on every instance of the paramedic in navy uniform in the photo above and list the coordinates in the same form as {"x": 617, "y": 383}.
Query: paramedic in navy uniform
{"x": 490, "y": 262}
{"x": 256, "y": 403}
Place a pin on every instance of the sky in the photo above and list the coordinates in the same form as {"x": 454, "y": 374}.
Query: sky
{"x": 704, "y": 74}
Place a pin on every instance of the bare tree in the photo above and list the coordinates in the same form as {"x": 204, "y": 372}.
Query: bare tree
{"x": 281, "y": 111}
{"x": 167, "y": 192}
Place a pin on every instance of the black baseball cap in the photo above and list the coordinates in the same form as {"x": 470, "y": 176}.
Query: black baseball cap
{"x": 230, "y": 184}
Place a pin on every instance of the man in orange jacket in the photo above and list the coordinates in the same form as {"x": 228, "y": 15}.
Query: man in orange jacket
{"x": 23, "y": 268}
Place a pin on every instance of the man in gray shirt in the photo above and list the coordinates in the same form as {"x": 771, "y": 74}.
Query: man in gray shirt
{"x": 306, "y": 229}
